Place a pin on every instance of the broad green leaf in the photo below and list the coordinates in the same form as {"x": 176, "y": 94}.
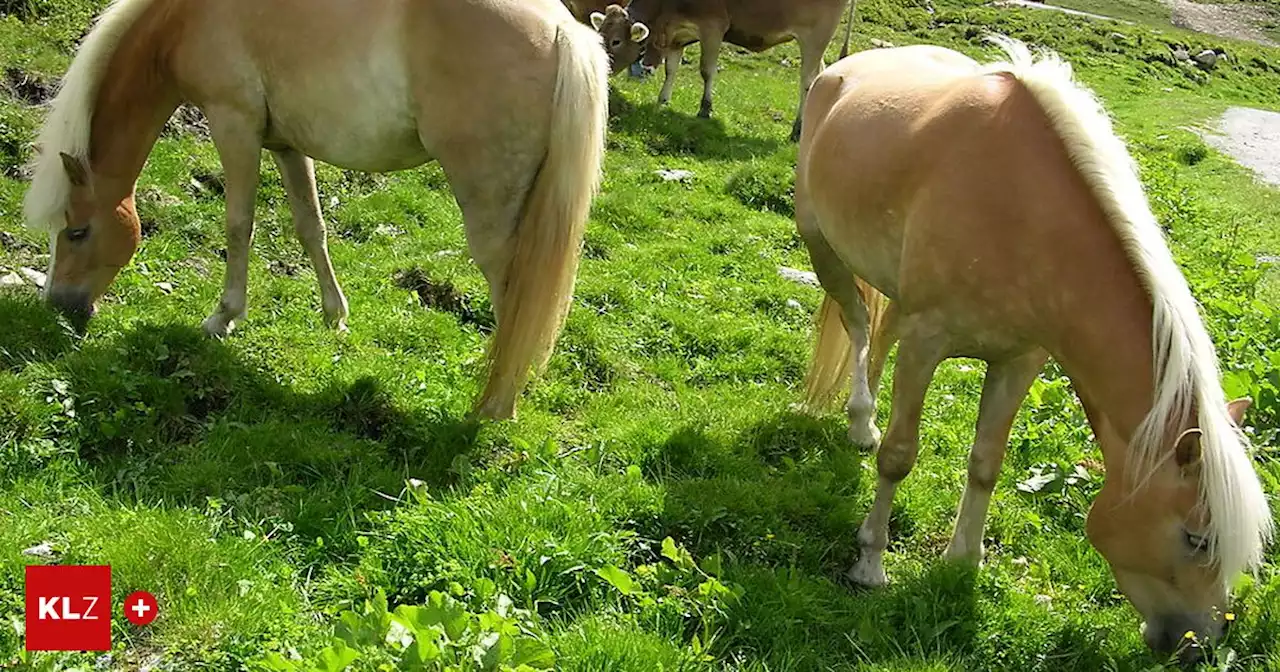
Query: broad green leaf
{"x": 419, "y": 655}
{"x": 669, "y": 549}
{"x": 618, "y": 578}
{"x": 533, "y": 653}
{"x": 336, "y": 658}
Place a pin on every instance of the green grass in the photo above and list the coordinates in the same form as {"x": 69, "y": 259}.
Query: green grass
{"x": 263, "y": 486}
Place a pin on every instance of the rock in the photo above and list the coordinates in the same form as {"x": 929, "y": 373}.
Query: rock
{"x": 799, "y": 276}
{"x": 166, "y": 287}
{"x": 881, "y": 44}
{"x": 44, "y": 550}
{"x": 388, "y": 230}
{"x": 11, "y": 280}
{"x": 33, "y": 276}
{"x": 795, "y": 305}
{"x": 1181, "y": 54}
{"x": 674, "y": 174}
{"x": 1207, "y": 59}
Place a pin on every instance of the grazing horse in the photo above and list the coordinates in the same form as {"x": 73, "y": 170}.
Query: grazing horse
{"x": 989, "y": 211}
{"x": 371, "y": 85}
{"x": 657, "y": 31}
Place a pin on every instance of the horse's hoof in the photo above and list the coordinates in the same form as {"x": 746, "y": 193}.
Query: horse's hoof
{"x": 217, "y": 326}
{"x": 704, "y": 112}
{"x": 493, "y": 410}
{"x": 336, "y": 321}
{"x": 864, "y": 438}
{"x": 868, "y": 573}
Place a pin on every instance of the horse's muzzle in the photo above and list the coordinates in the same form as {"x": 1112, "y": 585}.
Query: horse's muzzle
{"x": 74, "y": 304}
{"x": 1184, "y": 635}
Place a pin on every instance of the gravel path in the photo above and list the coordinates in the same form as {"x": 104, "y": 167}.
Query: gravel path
{"x": 1237, "y": 20}
{"x": 1252, "y": 138}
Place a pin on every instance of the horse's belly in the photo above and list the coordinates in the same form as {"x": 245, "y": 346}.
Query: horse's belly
{"x": 365, "y": 140}
{"x": 354, "y": 111}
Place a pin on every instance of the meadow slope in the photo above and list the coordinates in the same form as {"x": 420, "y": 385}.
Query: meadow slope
{"x": 656, "y": 506}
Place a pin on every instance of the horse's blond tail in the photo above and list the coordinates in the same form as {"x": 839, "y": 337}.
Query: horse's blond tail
{"x": 831, "y": 364}
{"x": 540, "y": 277}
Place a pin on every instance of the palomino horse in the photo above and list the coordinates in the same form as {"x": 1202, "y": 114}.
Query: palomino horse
{"x": 996, "y": 209}
{"x": 517, "y": 123}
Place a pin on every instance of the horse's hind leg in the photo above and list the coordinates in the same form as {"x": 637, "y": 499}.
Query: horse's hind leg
{"x": 299, "y": 175}
{"x": 920, "y": 350}
{"x": 1006, "y": 385}
{"x": 837, "y": 280}
{"x": 491, "y": 183}
{"x": 238, "y": 139}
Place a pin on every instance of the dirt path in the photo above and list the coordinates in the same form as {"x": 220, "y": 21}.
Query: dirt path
{"x": 1251, "y": 137}
{"x": 1238, "y": 20}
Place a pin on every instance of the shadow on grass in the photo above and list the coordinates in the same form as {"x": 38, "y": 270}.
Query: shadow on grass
{"x": 668, "y": 132}
{"x": 781, "y": 501}
{"x": 164, "y": 413}
{"x": 766, "y": 494}
{"x": 30, "y": 331}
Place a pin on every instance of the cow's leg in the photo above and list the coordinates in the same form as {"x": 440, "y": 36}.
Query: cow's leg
{"x": 711, "y": 39}
{"x": 1006, "y": 385}
{"x": 299, "y": 176}
{"x": 813, "y": 44}
{"x": 672, "y": 61}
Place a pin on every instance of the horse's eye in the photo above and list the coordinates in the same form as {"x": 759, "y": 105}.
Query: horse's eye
{"x": 77, "y": 235}
{"x": 1195, "y": 542}
{"x": 615, "y": 43}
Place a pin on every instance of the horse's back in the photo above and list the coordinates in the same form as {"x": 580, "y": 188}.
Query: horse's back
{"x": 919, "y": 166}
{"x": 357, "y": 82}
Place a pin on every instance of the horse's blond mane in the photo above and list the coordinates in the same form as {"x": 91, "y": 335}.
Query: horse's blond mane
{"x": 70, "y": 119}
{"x": 1186, "y": 365}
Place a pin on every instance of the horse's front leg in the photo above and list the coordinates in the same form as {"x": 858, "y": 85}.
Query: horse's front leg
{"x": 238, "y": 140}
{"x": 920, "y": 351}
{"x": 299, "y": 175}
{"x": 1006, "y": 385}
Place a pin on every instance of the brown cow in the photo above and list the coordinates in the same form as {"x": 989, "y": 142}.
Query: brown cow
{"x": 755, "y": 25}
{"x": 582, "y": 10}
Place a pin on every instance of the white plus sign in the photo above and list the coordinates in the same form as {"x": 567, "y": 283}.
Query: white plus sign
{"x": 141, "y": 608}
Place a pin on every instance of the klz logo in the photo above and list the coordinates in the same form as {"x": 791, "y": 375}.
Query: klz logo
{"x": 68, "y": 608}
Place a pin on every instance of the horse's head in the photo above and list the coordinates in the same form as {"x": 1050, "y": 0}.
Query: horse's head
{"x": 624, "y": 37}
{"x": 99, "y": 237}
{"x": 1156, "y": 536}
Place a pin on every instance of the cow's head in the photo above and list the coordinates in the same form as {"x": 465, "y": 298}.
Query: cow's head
{"x": 624, "y": 37}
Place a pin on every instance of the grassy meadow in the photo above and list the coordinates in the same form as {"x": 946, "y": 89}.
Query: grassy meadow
{"x": 299, "y": 500}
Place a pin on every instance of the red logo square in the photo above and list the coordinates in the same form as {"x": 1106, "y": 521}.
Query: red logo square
{"x": 68, "y": 607}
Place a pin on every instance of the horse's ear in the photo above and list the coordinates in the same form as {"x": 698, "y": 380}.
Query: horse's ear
{"x": 1236, "y": 409}
{"x": 1187, "y": 449}
{"x": 639, "y": 32}
{"x": 77, "y": 171}
{"x": 597, "y": 20}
